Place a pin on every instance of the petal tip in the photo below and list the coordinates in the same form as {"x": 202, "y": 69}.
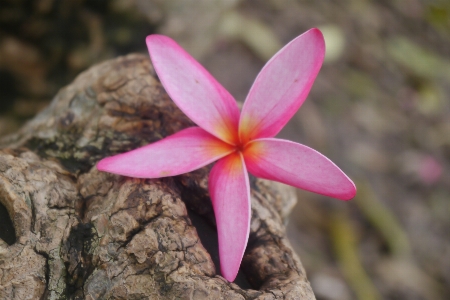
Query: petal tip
{"x": 101, "y": 165}
{"x": 155, "y": 37}
{"x": 315, "y": 30}
{"x": 157, "y": 40}
{"x": 320, "y": 40}
{"x": 149, "y": 38}
{"x": 229, "y": 275}
{"x": 106, "y": 165}
{"x": 316, "y": 37}
{"x": 349, "y": 192}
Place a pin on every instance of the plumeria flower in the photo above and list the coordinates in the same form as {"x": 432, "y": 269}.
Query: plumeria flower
{"x": 240, "y": 142}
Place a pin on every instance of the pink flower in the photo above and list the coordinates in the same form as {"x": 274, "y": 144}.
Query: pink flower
{"x": 238, "y": 141}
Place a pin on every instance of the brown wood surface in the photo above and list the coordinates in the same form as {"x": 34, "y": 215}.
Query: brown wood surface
{"x": 84, "y": 234}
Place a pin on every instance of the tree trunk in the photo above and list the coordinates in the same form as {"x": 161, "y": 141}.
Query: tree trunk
{"x": 85, "y": 234}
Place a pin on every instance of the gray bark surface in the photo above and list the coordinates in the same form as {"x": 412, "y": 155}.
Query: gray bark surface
{"x": 85, "y": 234}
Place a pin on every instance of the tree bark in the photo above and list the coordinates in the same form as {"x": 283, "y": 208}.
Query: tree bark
{"x": 85, "y": 234}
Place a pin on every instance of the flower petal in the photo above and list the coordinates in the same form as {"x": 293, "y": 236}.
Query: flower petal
{"x": 193, "y": 89}
{"x": 229, "y": 189}
{"x": 299, "y": 166}
{"x": 182, "y": 152}
{"x": 282, "y": 86}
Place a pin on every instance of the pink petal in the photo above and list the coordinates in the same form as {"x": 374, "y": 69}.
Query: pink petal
{"x": 229, "y": 189}
{"x": 299, "y": 166}
{"x": 282, "y": 86}
{"x": 182, "y": 152}
{"x": 193, "y": 89}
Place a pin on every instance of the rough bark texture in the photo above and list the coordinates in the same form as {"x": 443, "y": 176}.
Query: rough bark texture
{"x": 84, "y": 234}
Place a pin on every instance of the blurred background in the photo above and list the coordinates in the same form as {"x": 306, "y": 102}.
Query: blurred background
{"x": 379, "y": 109}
